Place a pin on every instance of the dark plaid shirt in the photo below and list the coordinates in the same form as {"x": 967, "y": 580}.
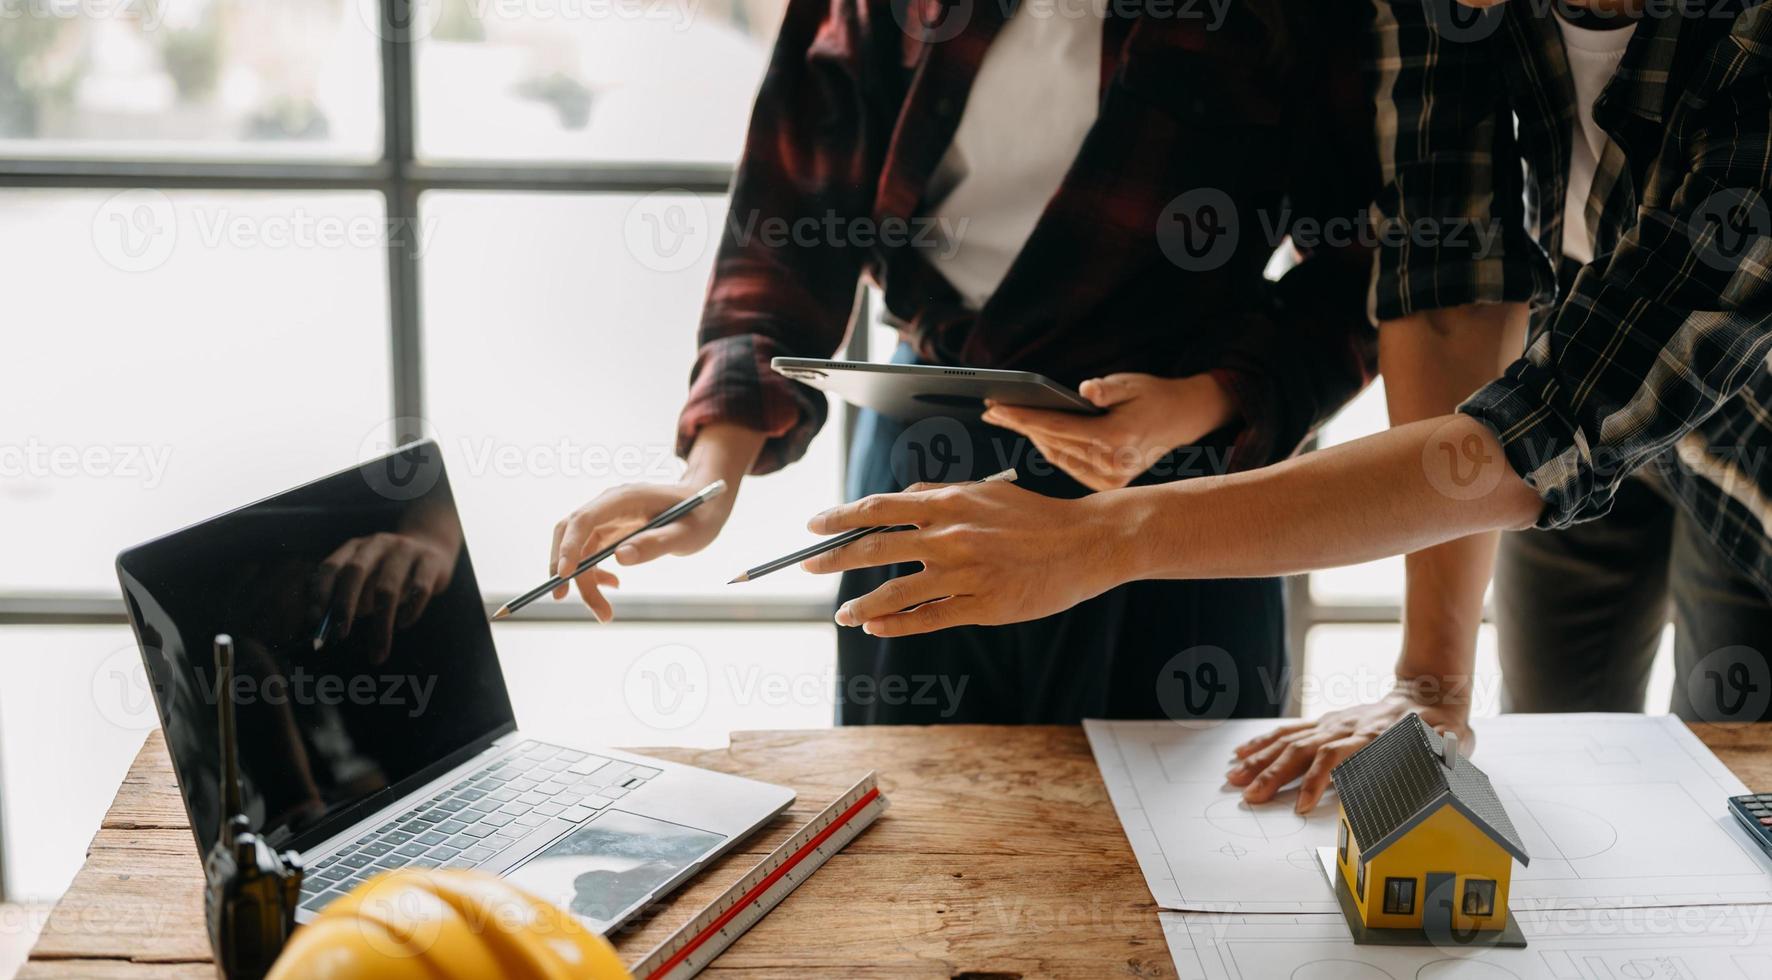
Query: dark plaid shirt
{"x": 856, "y": 112}
{"x": 1655, "y": 352}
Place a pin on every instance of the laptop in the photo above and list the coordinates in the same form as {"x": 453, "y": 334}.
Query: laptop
{"x": 375, "y": 728}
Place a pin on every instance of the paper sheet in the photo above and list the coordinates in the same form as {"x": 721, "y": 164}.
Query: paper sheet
{"x": 1616, "y": 811}
{"x": 1709, "y": 942}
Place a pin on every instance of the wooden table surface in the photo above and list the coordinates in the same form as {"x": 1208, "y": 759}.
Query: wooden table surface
{"x": 1000, "y": 857}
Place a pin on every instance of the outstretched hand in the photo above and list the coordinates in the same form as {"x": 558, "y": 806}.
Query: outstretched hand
{"x": 992, "y": 553}
{"x": 1266, "y": 764}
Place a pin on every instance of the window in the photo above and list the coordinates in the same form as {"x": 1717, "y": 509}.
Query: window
{"x": 1360, "y": 881}
{"x": 219, "y": 380}
{"x": 1341, "y": 836}
{"x": 590, "y": 81}
{"x": 529, "y": 432}
{"x": 257, "y": 243}
{"x": 1479, "y": 897}
{"x": 204, "y": 79}
{"x": 1399, "y": 896}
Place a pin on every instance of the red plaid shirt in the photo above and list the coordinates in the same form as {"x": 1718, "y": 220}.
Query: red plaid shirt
{"x": 854, "y": 115}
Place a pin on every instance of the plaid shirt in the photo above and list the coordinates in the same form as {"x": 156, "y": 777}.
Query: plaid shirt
{"x": 1657, "y": 350}
{"x": 852, "y": 119}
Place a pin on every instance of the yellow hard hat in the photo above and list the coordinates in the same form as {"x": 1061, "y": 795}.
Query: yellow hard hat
{"x": 445, "y": 925}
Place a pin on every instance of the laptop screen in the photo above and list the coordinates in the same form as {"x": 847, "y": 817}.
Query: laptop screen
{"x": 363, "y": 660}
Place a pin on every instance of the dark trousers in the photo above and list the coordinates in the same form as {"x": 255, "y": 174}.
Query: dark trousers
{"x": 1580, "y": 613}
{"x": 1196, "y": 649}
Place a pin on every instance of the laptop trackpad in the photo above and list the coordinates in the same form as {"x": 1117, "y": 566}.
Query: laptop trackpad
{"x": 611, "y": 864}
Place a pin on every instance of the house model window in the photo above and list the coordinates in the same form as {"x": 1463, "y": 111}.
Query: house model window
{"x": 1399, "y": 896}
{"x": 1341, "y": 840}
{"x": 1479, "y": 897}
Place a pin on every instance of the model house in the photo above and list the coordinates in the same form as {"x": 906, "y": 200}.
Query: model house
{"x": 1424, "y": 847}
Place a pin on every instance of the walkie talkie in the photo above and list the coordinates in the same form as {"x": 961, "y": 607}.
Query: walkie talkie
{"x": 252, "y": 890}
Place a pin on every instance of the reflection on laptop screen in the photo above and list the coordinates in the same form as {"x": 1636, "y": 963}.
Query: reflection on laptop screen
{"x": 363, "y": 657}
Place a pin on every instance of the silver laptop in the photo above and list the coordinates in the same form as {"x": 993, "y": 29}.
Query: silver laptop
{"x": 375, "y": 729}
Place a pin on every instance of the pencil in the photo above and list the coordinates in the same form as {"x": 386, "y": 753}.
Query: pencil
{"x": 672, "y": 513}
{"x": 847, "y": 537}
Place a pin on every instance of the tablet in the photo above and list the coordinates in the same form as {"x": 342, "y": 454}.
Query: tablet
{"x": 909, "y": 392}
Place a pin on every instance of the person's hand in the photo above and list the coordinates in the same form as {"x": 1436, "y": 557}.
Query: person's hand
{"x": 992, "y": 553}
{"x": 591, "y": 528}
{"x": 385, "y": 579}
{"x": 1147, "y": 417}
{"x": 1312, "y": 749}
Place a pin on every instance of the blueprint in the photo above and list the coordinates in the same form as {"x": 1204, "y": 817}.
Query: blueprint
{"x": 1616, "y": 811}
{"x": 1708, "y": 942}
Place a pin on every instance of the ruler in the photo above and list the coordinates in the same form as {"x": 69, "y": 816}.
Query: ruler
{"x": 690, "y": 949}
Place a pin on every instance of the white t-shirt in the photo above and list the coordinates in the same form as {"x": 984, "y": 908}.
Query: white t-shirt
{"x": 1036, "y": 95}
{"x": 1593, "y": 58}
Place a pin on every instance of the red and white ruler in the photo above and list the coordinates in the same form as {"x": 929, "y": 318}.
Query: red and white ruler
{"x": 690, "y": 949}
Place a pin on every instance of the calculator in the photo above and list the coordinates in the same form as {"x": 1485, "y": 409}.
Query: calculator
{"x": 1755, "y": 813}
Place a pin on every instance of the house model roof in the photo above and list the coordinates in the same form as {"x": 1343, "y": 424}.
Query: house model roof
{"x": 1402, "y": 779}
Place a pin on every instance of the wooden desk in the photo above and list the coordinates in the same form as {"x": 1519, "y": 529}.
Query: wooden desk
{"x": 1001, "y": 857}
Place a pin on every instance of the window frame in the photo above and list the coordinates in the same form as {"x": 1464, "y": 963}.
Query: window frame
{"x": 1482, "y": 889}
{"x": 1341, "y": 838}
{"x": 1398, "y": 907}
{"x": 402, "y": 179}
{"x": 1360, "y": 880}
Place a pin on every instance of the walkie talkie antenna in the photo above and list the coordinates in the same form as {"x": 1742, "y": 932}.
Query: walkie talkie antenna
{"x": 230, "y": 766}
{"x": 251, "y": 893}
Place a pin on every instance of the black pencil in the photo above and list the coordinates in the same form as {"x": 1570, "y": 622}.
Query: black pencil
{"x": 672, "y": 513}
{"x": 847, "y": 537}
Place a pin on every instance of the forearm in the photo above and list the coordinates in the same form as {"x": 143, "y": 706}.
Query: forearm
{"x": 1431, "y": 362}
{"x": 1410, "y": 488}
{"x": 723, "y": 451}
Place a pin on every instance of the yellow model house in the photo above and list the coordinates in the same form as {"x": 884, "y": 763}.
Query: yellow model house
{"x": 1424, "y": 849}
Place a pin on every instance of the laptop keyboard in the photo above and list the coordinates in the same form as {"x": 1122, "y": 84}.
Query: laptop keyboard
{"x": 471, "y": 821}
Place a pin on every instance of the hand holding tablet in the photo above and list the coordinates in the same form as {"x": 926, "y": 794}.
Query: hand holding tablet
{"x": 909, "y": 392}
